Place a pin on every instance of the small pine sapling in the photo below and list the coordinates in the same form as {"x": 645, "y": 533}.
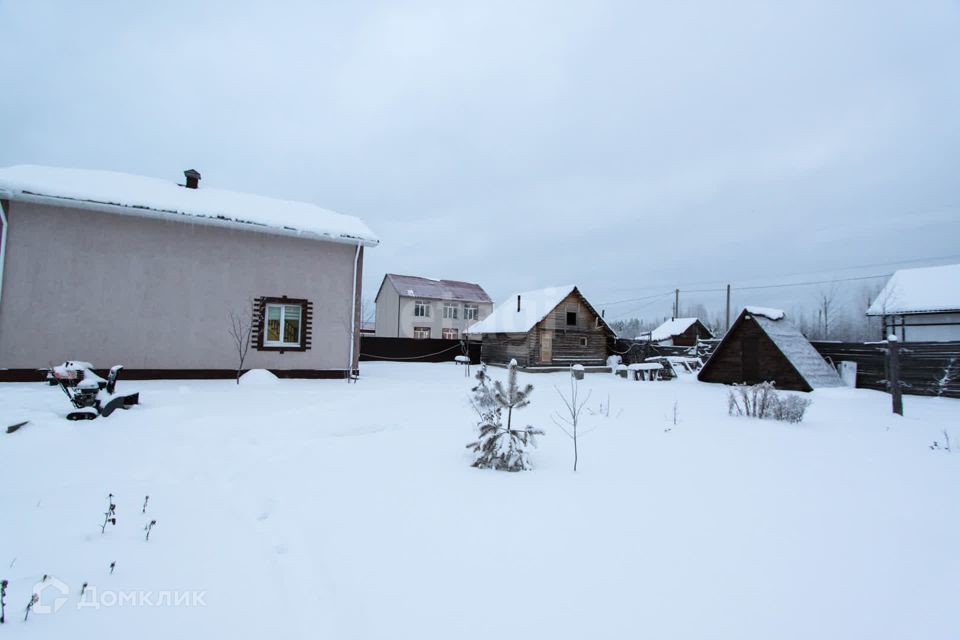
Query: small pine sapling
{"x": 145, "y": 501}
{"x": 34, "y": 599}
{"x": 110, "y": 515}
{"x": 149, "y": 528}
{"x": 3, "y": 601}
{"x": 499, "y": 447}
{"x": 569, "y": 421}
{"x": 511, "y": 397}
{"x": 113, "y": 565}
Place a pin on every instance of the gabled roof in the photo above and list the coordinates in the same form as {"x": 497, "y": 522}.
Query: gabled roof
{"x": 127, "y": 194}
{"x": 672, "y": 328}
{"x": 417, "y": 287}
{"x": 924, "y": 290}
{"x": 534, "y": 306}
{"x": 794, "y": 346}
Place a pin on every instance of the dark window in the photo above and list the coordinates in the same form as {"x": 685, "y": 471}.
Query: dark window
{"x": 583, "y": 342}
{"x": 571, "y": 318}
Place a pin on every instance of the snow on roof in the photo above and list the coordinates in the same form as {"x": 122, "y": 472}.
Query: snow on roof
{"x": 416, "y": 287}
{"x": 534, "y": 307}
{"x": 766, "y": 312}
{"x": 671, "y": 328}
{"x": 920, "y": 290}
{"x": 794, "y": 345}
{"x": 137, "y": 195}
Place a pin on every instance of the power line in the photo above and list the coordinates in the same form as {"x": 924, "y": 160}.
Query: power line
{"x": 751, "y": 288}
{"x": 859, "y": 266}
{"x": 803, "y": 284}
{"x": 658, "y": 296}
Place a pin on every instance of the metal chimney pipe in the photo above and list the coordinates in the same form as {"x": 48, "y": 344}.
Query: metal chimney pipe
{"x": 518, "y": 304}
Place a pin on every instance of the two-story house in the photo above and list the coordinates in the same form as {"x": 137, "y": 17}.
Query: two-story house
{"x": 412, "y": 307}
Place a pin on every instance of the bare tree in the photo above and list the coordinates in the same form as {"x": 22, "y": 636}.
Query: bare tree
{"x": 886, "y": 300}
{"x": 569, "y": 421}
{"x": 368, "y": 312}
{"x": 827, "y": 308}
{"x": 241, "y": 328}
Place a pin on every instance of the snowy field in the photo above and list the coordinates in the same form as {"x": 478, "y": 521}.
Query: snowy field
{"x": 318, "y": 509}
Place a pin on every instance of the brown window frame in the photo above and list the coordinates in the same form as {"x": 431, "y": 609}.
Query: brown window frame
{"x": 421, "y": 329}
{"x": 260, "y": 314}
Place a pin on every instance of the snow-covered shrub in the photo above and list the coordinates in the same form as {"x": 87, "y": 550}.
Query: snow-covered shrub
{"x": 761, "y": 401}
{"x": 790, "y": 408}
{"x": 499, "y": 447}
{"x": 259, "y": 377}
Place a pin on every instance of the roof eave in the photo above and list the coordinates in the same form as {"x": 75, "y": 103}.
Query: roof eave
{"x": 912, "y": 312}
{"x": 213, "y": 221}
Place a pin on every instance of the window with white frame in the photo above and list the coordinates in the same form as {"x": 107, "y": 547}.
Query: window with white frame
{"x": 450, "y": 333}
{"x": 471, "y": 312}
{"x": 282, "y": 326}
{"x": 421, "y": 309}
{"x": 451, "y": 310}
{"x": 421, "y": 333}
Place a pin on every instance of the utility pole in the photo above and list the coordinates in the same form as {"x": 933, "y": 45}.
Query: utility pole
{"x": 676, "y": 303}
{"x": 728, "y": 309}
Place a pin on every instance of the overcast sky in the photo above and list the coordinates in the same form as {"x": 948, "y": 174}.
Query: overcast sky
{"x": 629, "y": 148}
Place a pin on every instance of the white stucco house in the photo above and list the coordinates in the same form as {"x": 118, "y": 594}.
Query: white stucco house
{"x": 112, "y": 268}
{"x": 414, "y": 307}
{"x": 921, "y": 305}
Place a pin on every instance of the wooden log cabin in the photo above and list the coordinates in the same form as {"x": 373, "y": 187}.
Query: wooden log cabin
{"x": 679, "y": 332}
{"x": 553, "y": 327}
{"x": 762, "y": 346}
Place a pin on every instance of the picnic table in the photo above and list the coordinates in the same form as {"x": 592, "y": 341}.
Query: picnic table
{"x": 645, "y": 371}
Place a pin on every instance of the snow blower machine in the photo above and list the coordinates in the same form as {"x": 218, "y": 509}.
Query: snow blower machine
{"x": 89, "y": 393}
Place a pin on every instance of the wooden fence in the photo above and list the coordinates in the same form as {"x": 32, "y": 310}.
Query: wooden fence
{"x": 634, "y": 351}
{"x": 926, "y": 368}
{"x": 373, "y": 348}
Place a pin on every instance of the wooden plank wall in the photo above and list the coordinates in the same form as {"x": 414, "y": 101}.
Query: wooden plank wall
{"x": 926, "y": 368}
{"x": 504, "y": 347}
{"x": 726, "y": 364}
{"x": 525, "y": 348}
{"x": 566, "y": 338}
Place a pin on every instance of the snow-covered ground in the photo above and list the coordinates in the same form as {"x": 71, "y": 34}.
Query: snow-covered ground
{"x": 318, "y": 509}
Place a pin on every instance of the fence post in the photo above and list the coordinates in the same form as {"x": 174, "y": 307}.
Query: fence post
{"x": 893, "y": 367}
